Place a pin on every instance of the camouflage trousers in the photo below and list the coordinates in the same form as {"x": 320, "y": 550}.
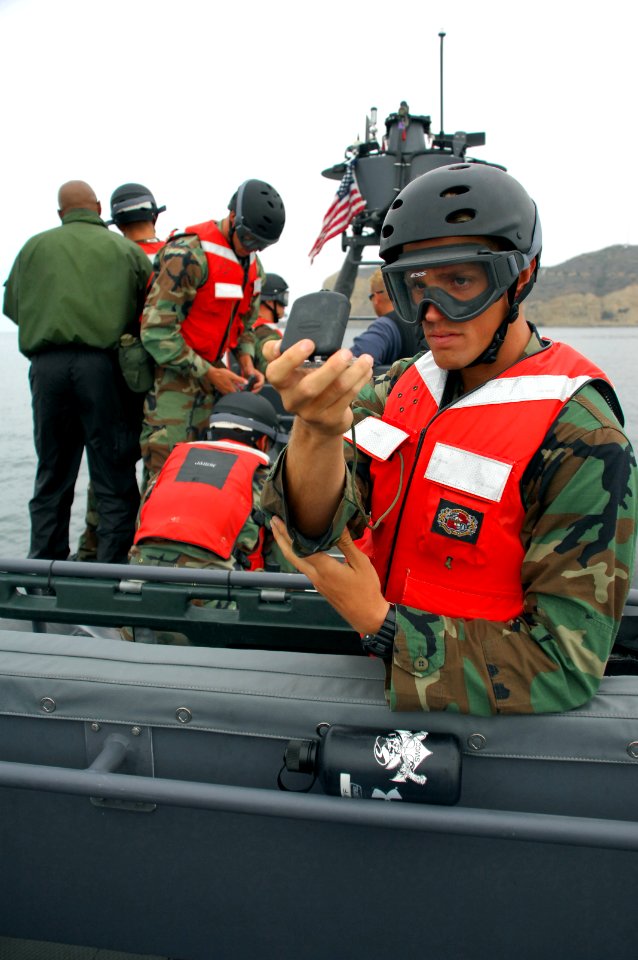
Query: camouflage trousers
{"x": 176, "y": 410}
{"x": 172, "y": 555}
{"x": 87, "y": 544}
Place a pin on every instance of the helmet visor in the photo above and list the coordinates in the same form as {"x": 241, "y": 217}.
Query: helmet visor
{"x": 461, "y": 281}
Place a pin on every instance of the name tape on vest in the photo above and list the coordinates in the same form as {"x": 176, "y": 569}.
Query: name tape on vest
{"x": 377, "y": 438}
{"x": 228, "y": 291}
{"x": 470, "y": 472}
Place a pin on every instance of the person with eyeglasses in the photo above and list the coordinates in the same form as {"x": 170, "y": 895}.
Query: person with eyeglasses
{"x": 205, "y": 298}
{"x": 388, "y": 338}
{"x": 494, "y": 483}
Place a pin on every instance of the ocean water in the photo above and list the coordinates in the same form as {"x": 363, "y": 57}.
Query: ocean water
{"x": 616, "y": 351}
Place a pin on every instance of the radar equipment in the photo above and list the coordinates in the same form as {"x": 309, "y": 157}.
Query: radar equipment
{"x": 408, "y": 149}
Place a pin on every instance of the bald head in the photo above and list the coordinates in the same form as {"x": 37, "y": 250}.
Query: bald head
{"x": 77, "y": 195}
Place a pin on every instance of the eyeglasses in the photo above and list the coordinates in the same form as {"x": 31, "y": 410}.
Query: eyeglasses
{"x": 375, "y": 293}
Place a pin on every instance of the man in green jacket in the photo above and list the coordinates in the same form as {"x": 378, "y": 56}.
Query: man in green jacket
{"x": 73, "y": 291}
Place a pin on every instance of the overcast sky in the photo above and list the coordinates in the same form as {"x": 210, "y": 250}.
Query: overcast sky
{"x": 193, "y": 98}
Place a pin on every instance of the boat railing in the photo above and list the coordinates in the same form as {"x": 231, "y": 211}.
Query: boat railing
{"x": 259, "y": 610}
{"x": 216, "y": 608}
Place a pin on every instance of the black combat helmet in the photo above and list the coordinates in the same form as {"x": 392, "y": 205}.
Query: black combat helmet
{"x": 246, "y": 415}
{"x": 463, "y": 201}
{"x": 259, "y": 214}
{"x": 133, "y": 202}
{"x": 275, "y": 288}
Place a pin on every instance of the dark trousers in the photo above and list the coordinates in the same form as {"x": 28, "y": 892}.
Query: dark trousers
{"x": 79, "y": 402}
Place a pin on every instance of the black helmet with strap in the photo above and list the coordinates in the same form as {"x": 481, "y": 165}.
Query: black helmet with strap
{"x": 246, "y": 414}
{"x": 462, "y": 200}
{"x": 275, "y": 288}
{"x": 259, "y": 214}
{"x": 132, "y": 203}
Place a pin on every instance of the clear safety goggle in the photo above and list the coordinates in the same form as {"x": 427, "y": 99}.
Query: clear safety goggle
{"x": 461, "y": 281}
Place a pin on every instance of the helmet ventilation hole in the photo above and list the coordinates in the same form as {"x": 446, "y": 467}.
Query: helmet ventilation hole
{"x": 397, "y": 203}
{"x": 455, "y": 191}
{"x": 387, "y": 230}
{"x": 460, "y": 216}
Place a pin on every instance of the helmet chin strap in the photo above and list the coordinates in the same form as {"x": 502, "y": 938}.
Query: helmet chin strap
{"x": 491, "y": 351}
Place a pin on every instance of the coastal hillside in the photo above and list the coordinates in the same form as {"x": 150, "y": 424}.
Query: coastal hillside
{"x": 591, "y": 290}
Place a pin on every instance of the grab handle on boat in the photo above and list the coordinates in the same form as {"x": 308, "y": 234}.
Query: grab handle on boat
{"x": 464, "y": 821}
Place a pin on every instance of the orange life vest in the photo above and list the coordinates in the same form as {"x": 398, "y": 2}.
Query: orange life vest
{"x": 451, "y": 543}
{"x": 213, "y": 319}
{"x": 151, "y": 247}
{"x": 203, "y": 496}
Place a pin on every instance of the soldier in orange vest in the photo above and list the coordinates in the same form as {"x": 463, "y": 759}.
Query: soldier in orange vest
{"x": 498, "y": 488}
{"x": 203, "y": 509}
{"x": 204, "y": 298}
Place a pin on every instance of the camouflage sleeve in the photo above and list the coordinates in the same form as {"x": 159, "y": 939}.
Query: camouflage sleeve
{"x": 246, "y": 343}
{"x": 263, "y": 334}
{"x": 255, "y": 523}
{"x": 181, "y": 270}
{"x": 580, "y": 494}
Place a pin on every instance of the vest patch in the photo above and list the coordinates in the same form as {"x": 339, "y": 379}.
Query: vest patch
{"x": 377, "y": 438}
{"x": 228, "y": 291}
{"x": 481, "y": 476}
{"x": 206, "y": 466}
{"x": 453, "y": 520}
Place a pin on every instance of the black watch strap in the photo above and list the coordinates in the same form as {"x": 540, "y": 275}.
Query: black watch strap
{"x": 381, "y": 643}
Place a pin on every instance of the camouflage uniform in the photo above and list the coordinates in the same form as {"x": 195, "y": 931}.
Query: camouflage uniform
{"x": 87, "y": 543}
{"x": 181, "y": 401}
{"x": 167, "y": 553}
{"x": 263, "y": 333}
{"x": 580, "y": 494}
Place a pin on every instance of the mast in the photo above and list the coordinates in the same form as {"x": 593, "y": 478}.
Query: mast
{"x": 441, "y": 35}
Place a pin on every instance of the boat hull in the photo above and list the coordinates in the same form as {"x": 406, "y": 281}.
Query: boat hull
{"x": 139, "y": 810}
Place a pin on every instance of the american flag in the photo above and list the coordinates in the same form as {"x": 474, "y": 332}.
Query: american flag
{"x": 347, "y": 203}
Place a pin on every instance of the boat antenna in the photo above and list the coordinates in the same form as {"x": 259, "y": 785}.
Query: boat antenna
{"x": 441, "y": 35}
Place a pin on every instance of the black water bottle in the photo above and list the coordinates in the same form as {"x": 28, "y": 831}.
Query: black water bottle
{"x": 411, "y": 765}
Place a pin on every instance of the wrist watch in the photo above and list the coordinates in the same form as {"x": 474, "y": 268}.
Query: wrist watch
{"x": 381, "y": 643}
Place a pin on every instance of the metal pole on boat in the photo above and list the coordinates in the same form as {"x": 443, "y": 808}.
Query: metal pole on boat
{"x": 441, "y": 35}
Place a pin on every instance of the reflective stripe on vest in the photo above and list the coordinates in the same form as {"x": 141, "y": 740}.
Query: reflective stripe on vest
{"x": 203, "y": 495}
{"x": 458, "y": 549}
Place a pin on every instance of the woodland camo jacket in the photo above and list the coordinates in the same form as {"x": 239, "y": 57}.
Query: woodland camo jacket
{"x": 168, "y": 302}
{"x": 580, "y": 494}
